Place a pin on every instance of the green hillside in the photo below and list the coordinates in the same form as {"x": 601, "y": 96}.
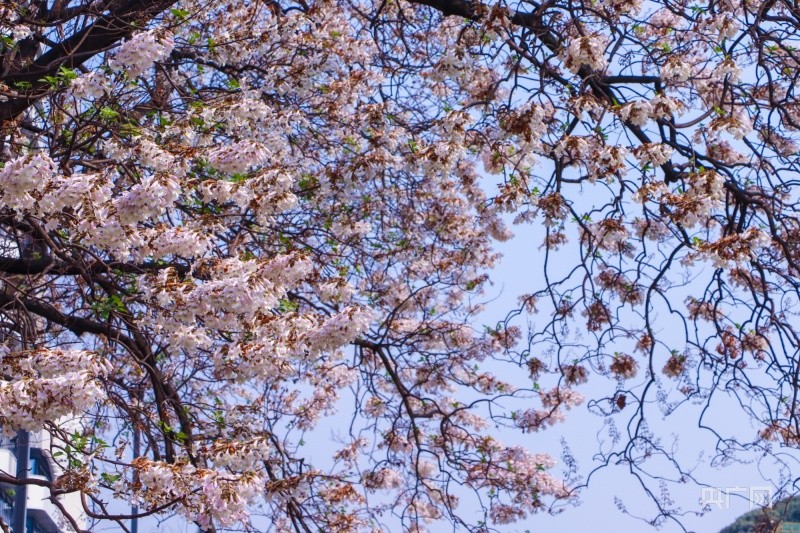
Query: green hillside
{"x": 766, "y": 520}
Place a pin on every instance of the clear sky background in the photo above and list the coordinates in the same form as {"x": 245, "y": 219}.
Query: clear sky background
{"x": 520, "y": 272}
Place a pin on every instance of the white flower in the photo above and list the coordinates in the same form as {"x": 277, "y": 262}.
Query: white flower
{"x": 728, "y": 69}
{"x": 636, "y": 113}
{"x": 726, "y": 25}
{"x": 385, "y": 478}
{"x": 665, "y": 106}
{"x": 653, "y": 153}
{"x": 138, "y": 54}
{"x": 178, "y": 241}
{"x": 89, "y": 86}
{"x": 23, "y": 176}
{"x": 335, "y": 292}
{"x": 737, "y": 124}
{"x": 146, "y": 200}
{"x": 675, "y": 70}
{"x": 20, "y": 32}
{"x": 586, "y": 51}
{"x": 239, "y": 157}
{"x": 46, "y": 385}
{"x": 340, "y": 329}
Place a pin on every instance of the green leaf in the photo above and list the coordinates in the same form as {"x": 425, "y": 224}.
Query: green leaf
{"x": 109, "y": 114}
{"x": 52, "y": 81}
{"x": 237, "y": 178}
{"x": 110, "y": 479}
{"x": 67, "y": 74}
{"x": 180, "y": 14}
{"x": 287, "y": 306}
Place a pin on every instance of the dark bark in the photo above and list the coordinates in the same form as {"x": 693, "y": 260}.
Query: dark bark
{"x": 105, "y": 32}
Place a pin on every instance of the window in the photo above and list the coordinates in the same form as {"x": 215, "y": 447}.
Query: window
{"x": 6, "y": 504}
{"x": 32, "y": 526}
{"x": 39, "y": 465}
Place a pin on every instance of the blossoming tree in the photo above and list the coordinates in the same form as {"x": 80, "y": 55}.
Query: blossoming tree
{"x": 222, "y": 222}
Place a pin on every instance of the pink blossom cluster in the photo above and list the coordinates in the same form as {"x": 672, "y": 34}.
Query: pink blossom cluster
{"x": 384, "y": 478}
{"x": 554, "y": 402}
{"x": 203, "y": 495}
{"x": 238, "y": 158}
{"x": 141, "y": 51}
{"x": 521, "y": 480}
{"x": 240, "y": 455}
{"x": 588, "y": 51}
{"x": 22, "y": 177}
{"x": 731, "y": 250}
{"x": 48, "y": 384}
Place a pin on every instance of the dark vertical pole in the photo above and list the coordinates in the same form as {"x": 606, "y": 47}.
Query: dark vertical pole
{"x": 134, "y": 507}
{"x": 22, "y": 451}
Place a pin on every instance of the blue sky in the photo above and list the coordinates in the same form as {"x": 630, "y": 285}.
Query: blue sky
{"x": 520, "y": 272}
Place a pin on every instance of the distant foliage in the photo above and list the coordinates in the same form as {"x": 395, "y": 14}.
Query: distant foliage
{"x": 766, "y": 520}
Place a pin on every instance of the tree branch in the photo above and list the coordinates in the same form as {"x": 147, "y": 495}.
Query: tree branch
{"x": 75, "y": 50}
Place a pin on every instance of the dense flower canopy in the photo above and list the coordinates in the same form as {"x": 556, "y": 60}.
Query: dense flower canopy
{"x": 223, "y": 222}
